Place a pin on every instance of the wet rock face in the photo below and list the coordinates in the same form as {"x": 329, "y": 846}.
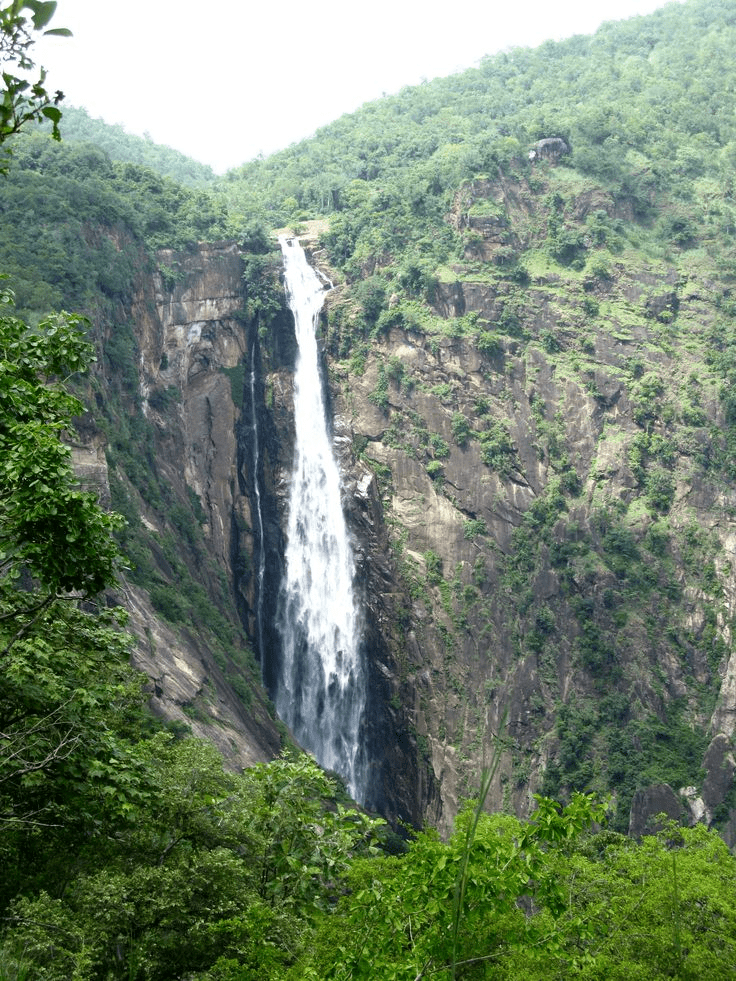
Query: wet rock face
{"x": 718, "y": 787}
{"x": 400, "y": 786}
{"x": 720, "y": 765}
{"x": 271, "y": 417}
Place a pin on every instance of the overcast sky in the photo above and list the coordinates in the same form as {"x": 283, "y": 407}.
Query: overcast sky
{"x": 225, "y": 80}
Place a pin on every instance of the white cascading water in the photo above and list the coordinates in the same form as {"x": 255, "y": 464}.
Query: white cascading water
{"x": 321, "y": 687}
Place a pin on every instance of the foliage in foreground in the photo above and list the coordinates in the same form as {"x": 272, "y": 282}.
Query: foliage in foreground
{"x": 222, "y": 877}
{"x": 214, "y": 870}
{"x": 25, "y": 101}
{"x": 541, "y": 899}
{"x": 47, "y": 524}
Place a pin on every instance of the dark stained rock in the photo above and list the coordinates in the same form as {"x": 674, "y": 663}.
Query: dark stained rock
{"x": 720, "y": 766}
{"x": 551, "y": 148}
{"x": 648, "y": 803}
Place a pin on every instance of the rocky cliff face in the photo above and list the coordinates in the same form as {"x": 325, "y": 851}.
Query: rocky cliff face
{"x": 557, "y": 502}
{"x": 203, "y": 474}
{"x": 541, "y": 498}
{"x": 171, "y": 419}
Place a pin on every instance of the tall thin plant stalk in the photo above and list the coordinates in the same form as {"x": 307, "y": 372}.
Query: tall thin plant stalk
{"x": 676, "y": 941}
{"x": 458, "y": 900}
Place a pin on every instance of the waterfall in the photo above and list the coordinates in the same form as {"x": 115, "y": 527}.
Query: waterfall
{"x": 321, "y": 681}
{"x": 261, "y": 575}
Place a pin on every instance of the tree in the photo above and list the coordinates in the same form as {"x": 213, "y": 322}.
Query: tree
{"x": 25, "y": 101}
{"x": 455, "y": 909}
{"x": 58, "y": 664}
{"x": 48, "y": 526}
{"x": 219, "y": 876}
{"x": 658, "y": 908}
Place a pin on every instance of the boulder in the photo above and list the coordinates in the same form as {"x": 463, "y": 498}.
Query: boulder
{"x": 657, "y": 799}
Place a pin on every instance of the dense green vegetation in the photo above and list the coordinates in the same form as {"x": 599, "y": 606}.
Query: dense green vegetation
{"x": 61, "y": 206}
{"x": 385, "y": 172}
{"x": 461, "y": 909}
{"x": 124, "y": 147}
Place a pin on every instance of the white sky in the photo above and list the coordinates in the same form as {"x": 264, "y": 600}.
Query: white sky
{"x": 225, "y": 80}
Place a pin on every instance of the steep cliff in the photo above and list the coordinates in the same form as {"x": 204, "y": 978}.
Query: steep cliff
{"x": 552, "y": 445}
{"x": 538, "y": 477}
{"x": 192, "y": 440}
{"x": 169, "y": 391}
{"x": 398, "y": 786}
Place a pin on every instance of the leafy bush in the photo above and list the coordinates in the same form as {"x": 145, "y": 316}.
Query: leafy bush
{"x": 461, "y": 431}
{"x": 497, "y": 448}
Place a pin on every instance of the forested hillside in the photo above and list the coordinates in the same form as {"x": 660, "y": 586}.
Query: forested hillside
{"x": 55, "y": 196}
{"x": 604, "y": 95}
{"x": 529, "y": 352}
{"x": 124, "y": 147}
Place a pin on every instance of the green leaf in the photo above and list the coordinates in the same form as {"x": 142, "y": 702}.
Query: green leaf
{"x": 42, "y": 12}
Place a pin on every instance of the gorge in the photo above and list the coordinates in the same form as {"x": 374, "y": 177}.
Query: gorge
{"x": 452, "y": 641}
{"x": 527, "y": 364}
